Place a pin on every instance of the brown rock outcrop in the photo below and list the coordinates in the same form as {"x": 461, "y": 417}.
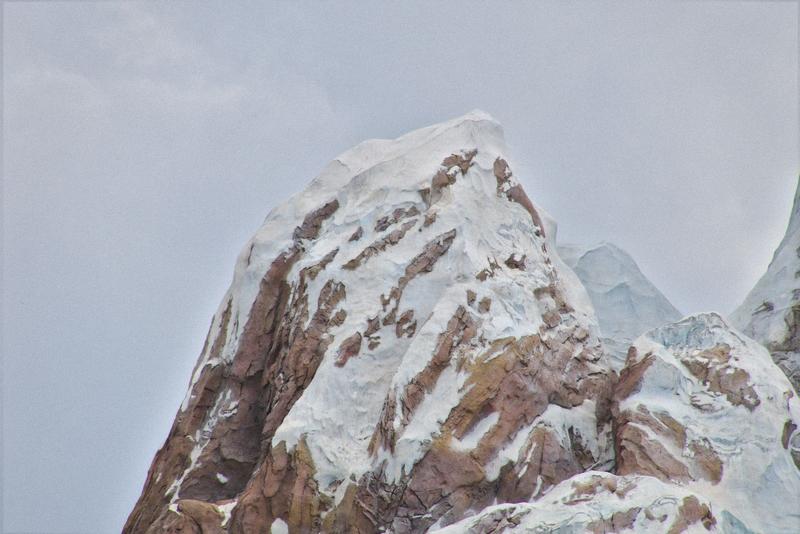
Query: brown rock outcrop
{"x": 189, "y": 517}
{"x": 712, "y": 367}
{"x": 230, "y": 407}
{"x": 515, "y": 193}
{"x": 380, "y": 245}
{"x": 516, "y": 379}
{"x": 451, "y": 167}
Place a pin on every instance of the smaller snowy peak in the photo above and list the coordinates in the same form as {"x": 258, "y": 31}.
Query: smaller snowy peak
{"x": 627, "y": 304}
{"x": 770, "y": 313}
{"x": 702, "y": 405}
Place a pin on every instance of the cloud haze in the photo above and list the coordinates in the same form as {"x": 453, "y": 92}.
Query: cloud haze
{"x": 145, "y": 142}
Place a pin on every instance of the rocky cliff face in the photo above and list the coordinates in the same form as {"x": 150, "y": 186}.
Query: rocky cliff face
{"x": 403, "y": 349}
{"x": 771, "y": 312}
{"x": 705, "y": 438}
{"x": 627, "y": 304}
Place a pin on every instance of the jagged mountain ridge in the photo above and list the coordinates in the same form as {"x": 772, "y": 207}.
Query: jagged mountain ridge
{"x": 401, "y": 348}
{"x": 770, "y": 313}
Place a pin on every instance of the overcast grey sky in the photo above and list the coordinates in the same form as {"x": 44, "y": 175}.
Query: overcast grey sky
{"x": 145, "y": 142}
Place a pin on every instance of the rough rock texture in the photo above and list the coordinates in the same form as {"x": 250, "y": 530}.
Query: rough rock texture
{"x": 597, "y": 503}
{"x": 700, "y": 404}
{"x": 771, "y": 312}
{"x": 705, "y": 431}
{"x": 626, "y": 302}
{"x": 402, "y": 349}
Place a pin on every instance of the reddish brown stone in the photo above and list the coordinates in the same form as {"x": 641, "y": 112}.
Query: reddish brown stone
{"x": 639, "y": 454}
{"x": 547, "y": 463}
{"x": 713, "y": 368}
{"x": 397, "y": 215}
{"x": 313, "y": 270}
{"x": 283, "y": 487}
{"x": 618, "y": 522}
{"x": 349, "y": 348}
{"x": 444, "y": 178}
{"x": 515, "y": 193}
{"x": 406, "y": 326}
{"x": 690, "y": 512}
{"x": 313, "y": 221}
{"x": 630, "y": 379}
{"x": 512, "y": 262}
{"x": 278, "y": 353}
{"x": 488, "y": 272}
{"x": 463, "y": 161}
{"x": 515, "y": 378}
{"x": 551, "y": 319}
{"x": 502, "y": 174}
{"x": 373, "y": 325}
{"x": 358, "y": 234}
{"x": 274, "y": 361}
{"x": 379, "y": 246}
{"x": 788, "y": 429}
{"x": 707, "y": 459}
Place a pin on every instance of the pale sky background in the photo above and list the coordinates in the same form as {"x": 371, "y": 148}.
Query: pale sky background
{"x": 145, "y": 142}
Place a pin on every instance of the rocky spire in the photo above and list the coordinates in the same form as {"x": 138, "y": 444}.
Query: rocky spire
{"x": 770, "y": 313}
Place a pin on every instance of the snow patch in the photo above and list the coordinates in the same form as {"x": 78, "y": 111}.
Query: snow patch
{"x": 279, "y": 526}
{"x": 471, "y": 438}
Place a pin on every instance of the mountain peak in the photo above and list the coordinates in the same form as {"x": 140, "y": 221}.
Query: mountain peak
{"x": 401, "y": 315}
{"x": 402, "y": 347}
{"x": 627, "y": 304}
{"x": 402, "y": 162}
{"x": 770, "y": 313}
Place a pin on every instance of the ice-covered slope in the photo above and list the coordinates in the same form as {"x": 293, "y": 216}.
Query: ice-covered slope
{"x": 771, "y": 312}
{"x": 397, "y": 343}
{"x": 627, "y": 304}
{"x": 599, "y": 502}
{"x": 706, "y": 440}
{"x": 701, "y": 405}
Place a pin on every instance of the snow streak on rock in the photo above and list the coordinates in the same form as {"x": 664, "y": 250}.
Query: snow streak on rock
{"x": 598, "y": 502}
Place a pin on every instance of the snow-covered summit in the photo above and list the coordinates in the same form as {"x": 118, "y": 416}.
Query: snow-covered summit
{"x": 401, "y": 328}
{"x": 770, "y": 313}
{"x": 627, "y": 304}
{"x": 396, "y": 162}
